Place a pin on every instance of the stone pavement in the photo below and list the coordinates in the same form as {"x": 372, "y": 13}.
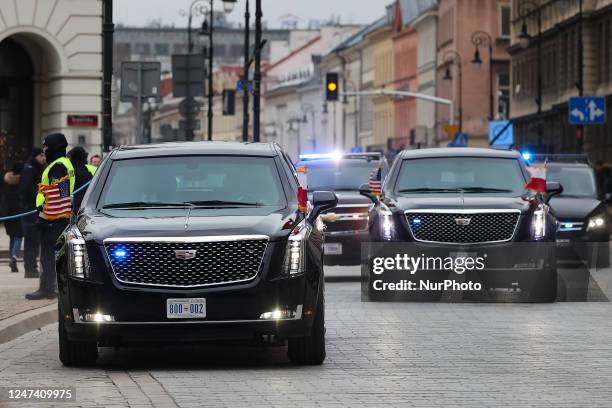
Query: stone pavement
{"x": 379, "y": 354}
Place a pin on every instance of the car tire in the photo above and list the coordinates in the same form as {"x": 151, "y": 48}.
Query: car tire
{"x": 310, "y": 350}
{"x": 75, "y": 353}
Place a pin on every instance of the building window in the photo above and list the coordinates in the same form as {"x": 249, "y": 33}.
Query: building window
{"x": 179, "y": 49}
{"x": 162, "y": 49}
{"x": 504, "y": 21}
{"x": 142, "y": 49}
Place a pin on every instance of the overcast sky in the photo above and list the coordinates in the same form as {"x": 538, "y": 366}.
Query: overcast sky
{"x": 140, "y": 12}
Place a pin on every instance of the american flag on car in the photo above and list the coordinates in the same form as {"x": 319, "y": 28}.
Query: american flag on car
{"x": 58, "y": 203}
{"x": 376, "y": 181}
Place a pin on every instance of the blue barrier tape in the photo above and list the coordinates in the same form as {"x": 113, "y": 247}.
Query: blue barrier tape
{"x": 25, "y": 214}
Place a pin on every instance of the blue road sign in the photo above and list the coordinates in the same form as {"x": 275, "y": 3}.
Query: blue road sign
{"x": 588, "y": 110}
{"x": 460, "y": 140}
{"x": 505, "y": 139}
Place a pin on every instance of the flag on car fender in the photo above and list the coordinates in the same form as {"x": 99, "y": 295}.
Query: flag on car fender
{"x": 537, "y": 182}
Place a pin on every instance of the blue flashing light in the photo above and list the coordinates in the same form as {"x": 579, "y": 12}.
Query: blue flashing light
{"x": 527, "y": 156}
{"x": 568, "y": 225}
{"x": 416, "y": 221}
{"x": 120, "y": 254}
{"x": 321, "y": 156}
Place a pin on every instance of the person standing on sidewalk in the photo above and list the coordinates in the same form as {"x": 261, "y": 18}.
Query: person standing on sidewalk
{"x": 11, "y": 206}
{"x": 54, "y": 202}
{"x": 28, "y": 187}
{"x": 82, "y": 173}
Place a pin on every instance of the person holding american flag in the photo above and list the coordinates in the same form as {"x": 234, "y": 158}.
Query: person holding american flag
{"x": 54, "y": 203}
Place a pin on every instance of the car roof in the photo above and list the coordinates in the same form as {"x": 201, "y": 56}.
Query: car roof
{"x": 459, "y": 152}
{"x": 568, "y": 164}
{"x": 196, "y": 148}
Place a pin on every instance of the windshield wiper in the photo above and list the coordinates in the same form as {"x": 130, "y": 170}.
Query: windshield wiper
{"x": 483, "y": 190}
{"x": 430, "y": 190}
{"x": 221, "y": 203}
{"x": 143, "y": 204}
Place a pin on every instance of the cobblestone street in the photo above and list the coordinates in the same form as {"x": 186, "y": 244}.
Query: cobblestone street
{"x": 379, "y": 354}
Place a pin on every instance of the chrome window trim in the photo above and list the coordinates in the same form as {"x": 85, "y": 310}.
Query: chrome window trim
{"x": 185, "y": 240}
{"x": 464, "y": 211}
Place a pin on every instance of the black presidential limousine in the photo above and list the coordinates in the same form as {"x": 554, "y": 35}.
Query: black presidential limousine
{"x": 188, "y": 242}
{"x": 469, "y": 203}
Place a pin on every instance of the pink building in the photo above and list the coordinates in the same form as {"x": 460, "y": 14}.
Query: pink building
{"x": 458, "y": 22}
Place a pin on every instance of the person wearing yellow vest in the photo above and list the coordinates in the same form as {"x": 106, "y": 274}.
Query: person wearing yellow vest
{"x": 54, "y": 203}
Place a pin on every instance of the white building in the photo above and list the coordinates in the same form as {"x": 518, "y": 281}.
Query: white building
{"x": 50, "y": 73}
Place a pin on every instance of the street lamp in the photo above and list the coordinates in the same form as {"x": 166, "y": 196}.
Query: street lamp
{"x": 483, "y": 39}
{"x": 452, "y": 57}
{"x": 199, "y": 7}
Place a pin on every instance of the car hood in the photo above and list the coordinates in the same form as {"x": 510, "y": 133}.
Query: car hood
{"x": 98, "y": 227}
{"x": 456, "y": 202}
{"x": 574, "y": 207}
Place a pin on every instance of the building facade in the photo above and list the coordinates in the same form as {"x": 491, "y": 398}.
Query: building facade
{"x": 470, "y": 85}
{"x": 50, "y": 74}
{"x": 559, "y": 66}
{"x": 383, "y": 107}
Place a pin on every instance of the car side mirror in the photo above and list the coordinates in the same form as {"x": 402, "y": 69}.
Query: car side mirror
{"x": 322, "y": 201}
{"x": 553, "y": 188}
{"x": 365, "y": 191}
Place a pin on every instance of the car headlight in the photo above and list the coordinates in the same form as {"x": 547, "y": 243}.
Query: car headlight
{"x": 78, "y": 262}
{"x": 387, "y": 226}
{"x": 539, "y": 223}
{"x": 295, "y": 253}
{"x": 596, "y": 222}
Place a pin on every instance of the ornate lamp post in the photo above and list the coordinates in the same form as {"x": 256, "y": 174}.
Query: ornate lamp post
{"x": 454, "y": 58}
{"x": 200, "y": 8}
{"x": 483, "y": 39}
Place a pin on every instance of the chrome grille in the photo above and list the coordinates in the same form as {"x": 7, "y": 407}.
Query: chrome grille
{"x": 159, "y": 262}
{"x": 348, "y": 218}
{"x": 463, "y": 227}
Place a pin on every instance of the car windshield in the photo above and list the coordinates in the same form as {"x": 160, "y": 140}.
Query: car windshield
{"x": 336, "y": 175}
{"x": 473, "y": 175}
{"x": 204, "y": 181}
{"x": 576, "y": 181}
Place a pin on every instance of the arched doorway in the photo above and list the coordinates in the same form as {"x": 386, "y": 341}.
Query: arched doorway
{"x": 16, "y": 104}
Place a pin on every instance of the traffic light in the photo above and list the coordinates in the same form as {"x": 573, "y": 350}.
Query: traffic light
{"x": 331, "y": 87}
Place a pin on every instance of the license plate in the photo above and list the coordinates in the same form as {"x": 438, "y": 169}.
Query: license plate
{"x": 563, "y": 242}
{"x": 186, "y": 308}
{"x": 333, "y": 248}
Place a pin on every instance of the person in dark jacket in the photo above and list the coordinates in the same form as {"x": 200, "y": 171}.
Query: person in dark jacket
{"x": 11, "y": 206}
{"x": 78, "y": 158}
{"x": 53, "y": 203}
{"x": 28, "y": 187}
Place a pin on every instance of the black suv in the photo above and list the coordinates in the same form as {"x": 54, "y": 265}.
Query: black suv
{"x": 583, "y": 221}
{"x": 346, "y": 227}
{"x": 188, "y": 242}
{"x": 455, "y": 202}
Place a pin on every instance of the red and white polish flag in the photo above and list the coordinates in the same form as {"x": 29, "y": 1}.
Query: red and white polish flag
{"x": 537, "y": 183}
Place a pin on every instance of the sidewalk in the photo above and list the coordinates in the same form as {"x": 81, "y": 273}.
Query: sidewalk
{"x": 18, "y": 315}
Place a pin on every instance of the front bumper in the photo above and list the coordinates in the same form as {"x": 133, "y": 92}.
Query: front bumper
{"x": 581, "y": 245}
{"x": 349, "y": 242}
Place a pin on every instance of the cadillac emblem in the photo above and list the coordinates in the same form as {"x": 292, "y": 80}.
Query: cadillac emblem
{"x": 463, "y": 222}
{"x": 185, "y": 254}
